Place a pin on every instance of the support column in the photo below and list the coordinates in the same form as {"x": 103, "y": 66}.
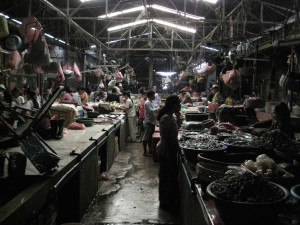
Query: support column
{"x": 151, "y": 73}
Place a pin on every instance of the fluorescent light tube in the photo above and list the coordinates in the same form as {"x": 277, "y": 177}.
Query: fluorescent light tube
{"x": 183, "y": 28}
{"x": 7, "y": 17}
{"x": 154, "y": 6}
{"x": 16, "y": 21}
{"x": 139, "y": 22}
{"x": 127, "y": 25}
{"x": 209, "y": 48}
{"x": 173, "y": 11}
{"x": 211, "y": 1}
{"x": 166, "y": 73}
{"x": 61, "y": 41}
{"x": 139, "y": 8}
{"x": 49, "y": 36}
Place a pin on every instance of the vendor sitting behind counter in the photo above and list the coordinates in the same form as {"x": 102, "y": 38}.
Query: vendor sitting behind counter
{"x": 215, "y": 96}
{"x": 280, "y": 120}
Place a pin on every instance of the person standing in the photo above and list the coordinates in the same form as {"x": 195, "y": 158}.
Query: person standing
{"x": 141, "y": 105}
{"x": 157, "y": 98}
{"x": 167, "y": 149}
{"x": 130, "y": 110}
{"x": 149, "y": 121}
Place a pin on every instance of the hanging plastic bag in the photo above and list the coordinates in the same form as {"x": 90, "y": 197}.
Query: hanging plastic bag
{"x": 39, "y": 53}
{"x": 119, "y": 76}
{"x": 3, "y": 27}
{"x": 101, "y": 85}
{"x": 77, "y": 73}
{"x": 60, "y": 74}
{"x": 112, "y": 83}
{"x": 232, "y": 79}
{"x": 67, "y": 69}
{"x": 76, "y": 70}
{"x": 30, "y": 30}
{"x": 14, "y": 59}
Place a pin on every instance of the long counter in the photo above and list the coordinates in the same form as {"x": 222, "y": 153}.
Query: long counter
{"x": 66, "y": 193}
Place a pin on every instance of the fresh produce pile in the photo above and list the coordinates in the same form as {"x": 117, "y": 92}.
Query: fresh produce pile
{"x": 264, "y": 165}
{"x": 273, "y": 139}
{"x": 202, "y": 142}
{"x": 246, "y": 188}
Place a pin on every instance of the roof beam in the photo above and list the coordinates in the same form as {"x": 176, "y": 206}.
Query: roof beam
{"x": 217, "y": 26}
{"x": 275, "y": 6}
{"x": 172, "y": 19}
{"x": 150, "y": 49}
{"x": 73, "y": 23}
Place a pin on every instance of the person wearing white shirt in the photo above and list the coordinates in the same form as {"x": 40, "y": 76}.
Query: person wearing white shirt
{"x": 157, "y": 99}
{"x": 149, "y": 121}
{"x": 130, "y": 110}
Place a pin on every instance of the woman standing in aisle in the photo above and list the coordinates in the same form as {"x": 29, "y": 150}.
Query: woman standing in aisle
{"x": 168, "y": 148}
{"x": 129, "y": 108}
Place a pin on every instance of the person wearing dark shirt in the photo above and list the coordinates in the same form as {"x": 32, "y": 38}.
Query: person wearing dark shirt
{"x": 113, "y": 96}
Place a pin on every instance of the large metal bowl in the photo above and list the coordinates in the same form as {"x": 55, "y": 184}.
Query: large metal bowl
{"x": 248, "y": 210}
{"x": 295, "y": 191}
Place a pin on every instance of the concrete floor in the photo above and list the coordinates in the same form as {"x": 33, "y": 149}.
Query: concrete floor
{"x": 131, "y": 194}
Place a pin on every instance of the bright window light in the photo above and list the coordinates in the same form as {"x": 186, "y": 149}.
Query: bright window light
{"x": 173, "y": 11}
{"x": 16, "y": 21}
{"x": 209, "y": 48}
{"x": 211, "y": 1}
{"x": 139, "y": 8}
{"x": 165, "y": 74}
{"x": 49, "y": 36}
{"x": 183, "y": 28}
{"x": 7, "y": 17}
{"x": 127, "y": 25}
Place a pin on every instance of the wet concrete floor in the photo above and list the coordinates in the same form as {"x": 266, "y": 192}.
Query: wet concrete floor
{"x": 130, "y": 196}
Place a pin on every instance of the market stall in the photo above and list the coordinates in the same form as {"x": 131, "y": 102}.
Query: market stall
{"x": 65, "y": 193}
{"x": 210, "y": 161}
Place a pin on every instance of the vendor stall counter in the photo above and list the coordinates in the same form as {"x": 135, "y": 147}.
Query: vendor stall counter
{"x": 65, "y": 194}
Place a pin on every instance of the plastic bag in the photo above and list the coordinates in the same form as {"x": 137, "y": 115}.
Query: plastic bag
{"x": 60, "y": 74}
{"x": 39, "y": 53}
{"x": 3, "y": 27}
{"x": 232, "y": 79}
{"x": 76, "y": 126}
{"x": 14, "y": 59}
{"x": 101, "y": 85}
